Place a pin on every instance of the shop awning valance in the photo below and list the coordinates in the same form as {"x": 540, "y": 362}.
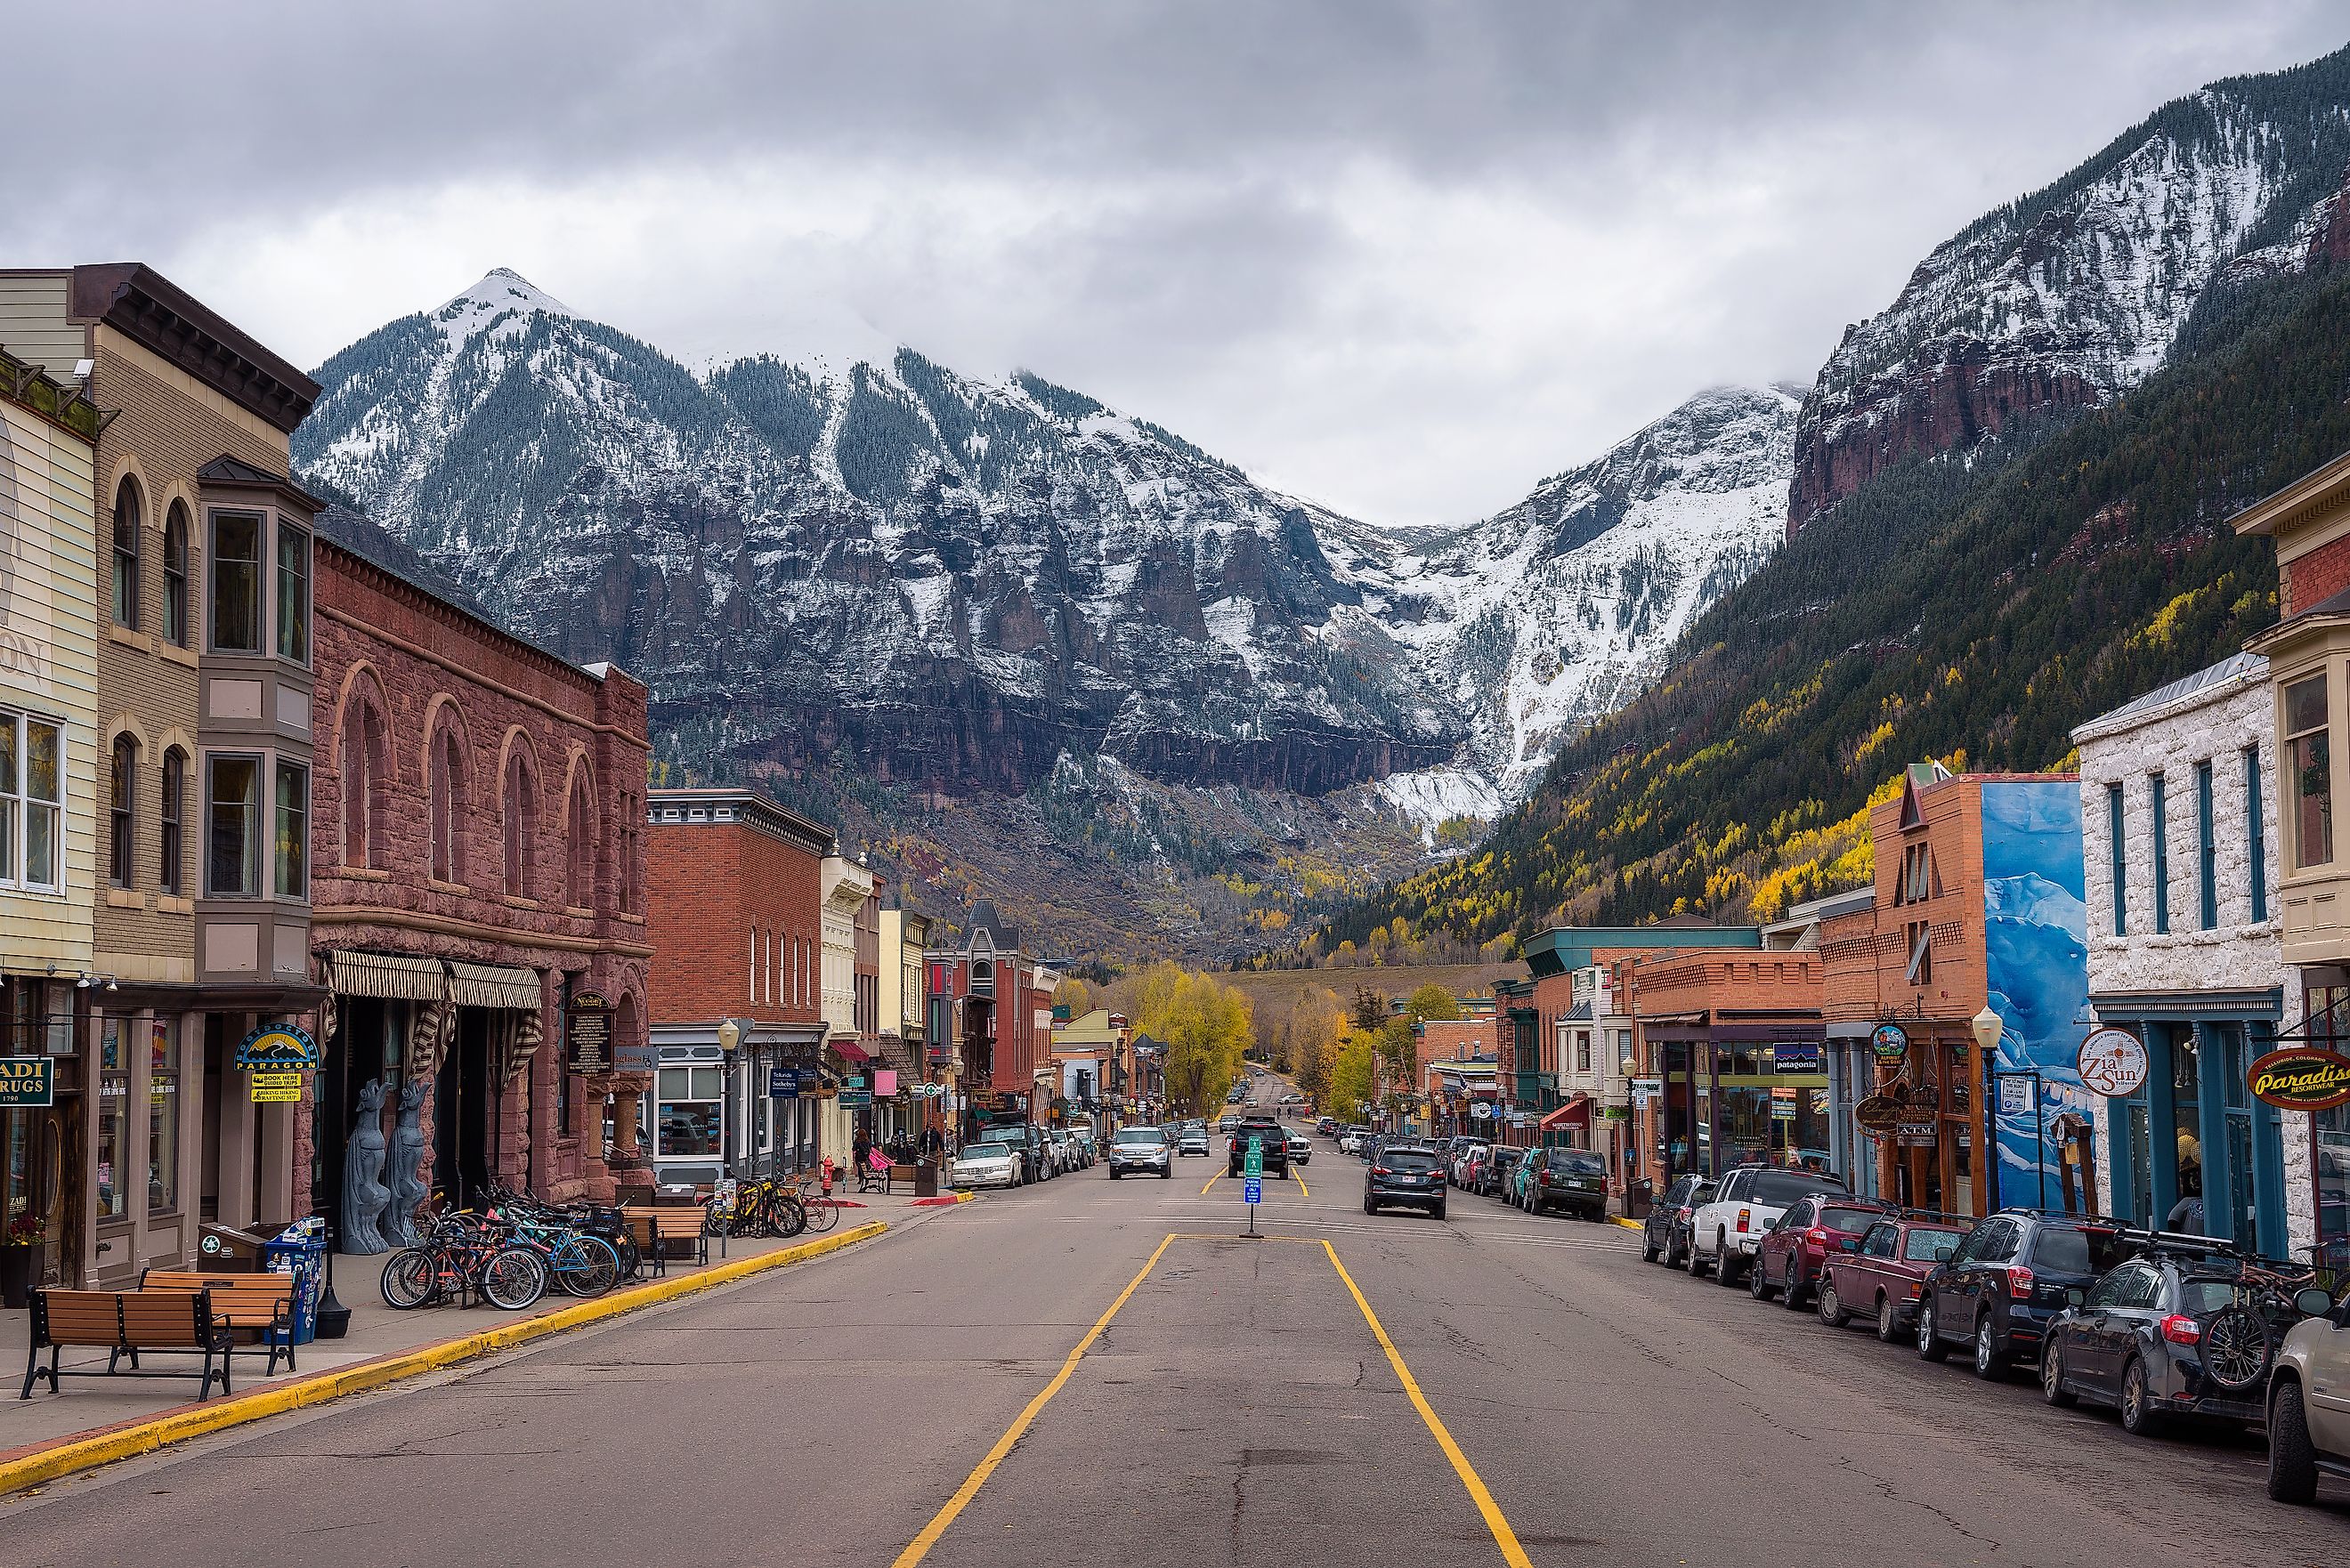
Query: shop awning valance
{"x": 1575, "y": 1110}
{"x": 494, "y": 985}
{"x": 525, "y": 1032}
{"x": 392, "y": 975}
{"x": 850, "y": 1050}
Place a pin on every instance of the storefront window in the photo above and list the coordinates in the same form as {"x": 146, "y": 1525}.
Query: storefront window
{"x": 2333, "y": 1153}
{"x": 2186, "y": 1113}
{"x": 164, "y": 1116}
{"x": 113, "y": 1122}
{"x": 2309, "y": 772}
{"x": 690, "y": 1103}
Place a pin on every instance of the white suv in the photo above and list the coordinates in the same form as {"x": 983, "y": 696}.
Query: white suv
{"x": 1725, "y": 1230}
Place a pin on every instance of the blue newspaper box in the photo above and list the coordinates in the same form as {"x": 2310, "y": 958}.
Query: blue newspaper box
{"x": 300, "y": 1251}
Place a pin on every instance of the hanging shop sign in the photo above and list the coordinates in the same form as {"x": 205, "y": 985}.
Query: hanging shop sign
{"x": 276, "y": 1088}
{"x": 1796, "y": 1056}
{"x": 2112, "y": 1063}
{"x": 855, "y": 1096}
{"x": 635, "y": 1057}
{"x": 277, "y": 1045}
{"x": 27, "y": 1083}
{"x": 588, "y": 1033}
{"x": 2300, "y": 1078}
{"x": 782, "y": 1083}
{"x": 1915, "y": 1135}
{"x": 1878, "y": 1113}
{"x": 1890, "y": 1042}
{"x": 1480, "y": 1111}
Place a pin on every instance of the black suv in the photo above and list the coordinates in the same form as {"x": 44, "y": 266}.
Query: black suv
{"x": 1407, "y": 1174}
{"x": 2008, "y": 1280}
{"x": 2183, "y": 1329}
{"x": 1261, "y": 1125}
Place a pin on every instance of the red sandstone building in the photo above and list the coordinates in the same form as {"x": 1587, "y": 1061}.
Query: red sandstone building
{"x": 479, "y": 901}
{"x": 994, "y": 1003}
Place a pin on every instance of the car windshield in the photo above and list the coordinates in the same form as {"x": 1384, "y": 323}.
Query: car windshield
{"x": 1853, "y": 1220}
{"x": 1929, "y": 1246}
{"x": 986, "y": 1151}
{"x": 1581, "y": 1161}
{"x": 1140, "y": 1134}
{"x": 1409, "y": 1160}
{"x": 1778, "y": 1188}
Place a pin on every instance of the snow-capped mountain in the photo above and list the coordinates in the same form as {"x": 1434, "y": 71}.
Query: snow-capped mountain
{"x": 957, "y": 584}
{"x": 2078, "y": 291}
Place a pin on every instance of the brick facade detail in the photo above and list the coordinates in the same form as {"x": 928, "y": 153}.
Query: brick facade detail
{"x": 2314, "y": 577}
{"x": 738, "y": 906}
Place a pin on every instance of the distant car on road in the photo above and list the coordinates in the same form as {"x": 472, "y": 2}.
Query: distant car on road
{"x": 1272, "y": 1135}
{"x": 1465, "y": 1152}
{"x": 1882, "y": 1277}
{"x": 985, "y": 1165}
{"x": 1191, "y": 1138}
{"x": 1405, "y": 1174}
{"x": 1142, "y": 1152}
{"x": 1665, "y": 1235}
{"x": 1500, "y": 1167}
{"x": 1796, "y": 1249}
{"x": 1301, "y": 1148}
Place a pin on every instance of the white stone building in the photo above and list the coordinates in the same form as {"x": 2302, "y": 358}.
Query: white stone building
{"x": 2179, "y": 837}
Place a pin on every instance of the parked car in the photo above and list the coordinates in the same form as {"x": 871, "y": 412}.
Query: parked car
{"x": 1882, "y": 1278}
{"x": 1501, "y": 1165}
{"x": 1066, "y": 1154}
{"x": 1575, "y": 1180}
{"x": 2008, "y": 1280}
{"x": 1405, "y": 1174}
{"x": 1301, "y": 1148}
{"x": 2309, "y": 1399}
{"x": 2179, "y": 1330}
{"x": 985, "y": 1165}
{"x": 1327, "y": 1125}
{"x": 1143, "y": 1151}
{"x": 1725, "y": 1231}
{"x": 1795, "y": 1250}
{"x": 1465, "y": 1157}
{"x": 1664, "y": 1235}
{"x": 1087, "y": 1145}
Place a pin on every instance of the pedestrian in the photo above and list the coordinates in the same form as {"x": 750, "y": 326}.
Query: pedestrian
{"x": 861, "y": 1145}
{"x": 932, "y": 1142}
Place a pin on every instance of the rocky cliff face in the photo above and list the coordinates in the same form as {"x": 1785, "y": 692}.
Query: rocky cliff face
{"x": 2078, "y": 291}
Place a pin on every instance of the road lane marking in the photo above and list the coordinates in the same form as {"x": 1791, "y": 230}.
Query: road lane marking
{"x": 1212, "y": 1181}
{"x": 1504, "y": 1536}
{"x": 1302, "y": 1190}
{"x": 921, "y": 1545}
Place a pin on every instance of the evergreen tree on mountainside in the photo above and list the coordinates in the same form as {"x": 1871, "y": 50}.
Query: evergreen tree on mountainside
{"x": 1970, "y": 611}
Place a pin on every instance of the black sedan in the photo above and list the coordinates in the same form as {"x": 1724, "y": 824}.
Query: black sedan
{"x": 2170, "y": 1333}
{"x": 1406, "y": 1176}
{"x": 1665, "y": 1234}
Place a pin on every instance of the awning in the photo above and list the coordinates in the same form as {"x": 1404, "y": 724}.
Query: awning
{"x": 1578, "y": 1109}
{"x": 850, "y": 1050}
{"x": 526, "y": 1033}
{"x": 352, "y": 973}
{"x": 494, "y": 985}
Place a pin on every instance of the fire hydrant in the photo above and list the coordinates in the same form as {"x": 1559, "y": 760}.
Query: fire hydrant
{"x": 825, "y": 1175}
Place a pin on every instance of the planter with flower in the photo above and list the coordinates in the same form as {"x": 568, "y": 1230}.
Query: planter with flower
{"x": 20, "y": 1252}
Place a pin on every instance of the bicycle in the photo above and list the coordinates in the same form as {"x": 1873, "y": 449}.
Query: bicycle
{"x": 464, "y": 1254}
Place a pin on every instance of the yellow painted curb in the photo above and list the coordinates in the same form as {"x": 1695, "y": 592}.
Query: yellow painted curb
{"x": 145, "y": 1437}
{"x": 1629, "y": 1224}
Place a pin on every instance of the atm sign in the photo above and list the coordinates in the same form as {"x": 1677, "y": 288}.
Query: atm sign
{"x": 27, "y": 1081}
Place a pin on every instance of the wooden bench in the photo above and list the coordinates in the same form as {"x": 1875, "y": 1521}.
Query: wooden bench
{"x": 259, "y": 1307}
{"x": 122, "y": 1324}
{"x": 657, "y": 1231}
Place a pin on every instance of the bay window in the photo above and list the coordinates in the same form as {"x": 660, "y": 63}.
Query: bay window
{"x": 292, "y": 851}
{"x": 293, "y": 592}
{"x": 236, "y": 582}
{"x": 2308, "y": 773}
{"x": 233, "y": 827}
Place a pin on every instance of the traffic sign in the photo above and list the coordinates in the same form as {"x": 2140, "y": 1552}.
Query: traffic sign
{"x": 1253, "y": 1189}
{"x": 1253, "y": 1163}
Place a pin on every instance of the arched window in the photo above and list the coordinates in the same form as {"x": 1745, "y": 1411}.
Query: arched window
{"x": 175, "y": 575}
{"x": 175, "y": 789}
{"x": 448, "y": 806}
{"x": 522, "y": 826}
{"x": 579, "y": 870}
{"x": 365, "y": 786}
{"x": 121, "y": 790}
{"x": 129, "y": 521}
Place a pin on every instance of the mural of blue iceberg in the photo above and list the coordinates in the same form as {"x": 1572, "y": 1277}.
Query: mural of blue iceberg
{"x": 2036, "y": 934}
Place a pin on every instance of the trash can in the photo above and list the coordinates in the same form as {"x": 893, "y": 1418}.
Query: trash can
{"x": 231, "y": 1249}
{"x": 926, "y": 1178}
{"x": 1640, "y": 1198}
{"x": 300, "y": 1250}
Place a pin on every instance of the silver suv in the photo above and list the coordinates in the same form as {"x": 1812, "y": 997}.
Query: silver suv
{"x": 2309, "y": 1399}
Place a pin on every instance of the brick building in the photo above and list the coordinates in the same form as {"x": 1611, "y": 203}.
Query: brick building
{"x": 479, "y": 884}
{"x": 736, "y": 903}
{"x": 994, "y": 1003}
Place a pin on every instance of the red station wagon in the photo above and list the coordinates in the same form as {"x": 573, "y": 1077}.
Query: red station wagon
{"x": 1881, "y": 1277}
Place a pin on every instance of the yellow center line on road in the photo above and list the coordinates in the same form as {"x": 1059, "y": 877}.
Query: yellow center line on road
{"x": 921, "y": 1545}
{"x": 1302, "y": 1189}
{"x": 1504, "y": 1536}
{"x": 1212, "y": 1181}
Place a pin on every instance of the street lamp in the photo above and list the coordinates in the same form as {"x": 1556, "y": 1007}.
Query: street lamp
{"x": 1988, "y": 1025}
{"x": 730, "y": 1034}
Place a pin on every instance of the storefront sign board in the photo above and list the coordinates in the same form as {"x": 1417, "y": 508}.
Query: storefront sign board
{"x": 641, "y": 1057}
{"x": 588, "y": 1033}
{"x": 1796, "y": 1056}
{"x": 1877, "y": 1113}
{"x": 1915, "y": 1135}
{"x": 270, "y": 1095}
{"x": 782, "y": 1083}
{"x": 855, "y": 1096}
{"x": 2112, "y": 1063}
{"x": 1890, "y": 1042}
{"x": 1782, "y": 1110}
{"x": 277, "y": 1045}
{"x": 27, "y": 1083}
{"x": 2300, "y": 1078}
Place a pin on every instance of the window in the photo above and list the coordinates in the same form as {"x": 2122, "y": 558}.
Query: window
{"x": 173, "y": 879}
{"x": 32, "y": 794}
{"x": 121, "y": 783}
{"x": 687, "y": 1110}
{"x": 293, "y": 594}
{"x": 1878, "y": 1243}
{"x": 127, "y": 526}
{"x": 522, "y": 827}
{"x": 163, "y": 1115}
{"x": 447, "y": 807}
{"x": 2157, "y": 809}
{"x": 1920, "y": 936}
{"x": 291, "y": 852}
{"x": 2206, "y": 866}
{"x": 2308, "y": 773}
{"x": 114, "y": 1173}
{"x": 232, "y": 823}
{"x": 236, "y": 582}
{"x": 1583, "y": 1051}
{"x": 175, "y": 575}
{"x": 2120, "y": 858}
{"x": 2256, "y": 831}
{"x": 579, "y": 871}
{"x": 362, "y": 777}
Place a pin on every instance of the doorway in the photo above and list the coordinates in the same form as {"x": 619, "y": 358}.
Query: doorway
{"x": 461, "y": 1113}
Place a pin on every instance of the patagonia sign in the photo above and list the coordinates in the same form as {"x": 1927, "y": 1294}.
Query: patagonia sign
{"x": 2298, "y": 1078}
{"x": 28, "y": 1082}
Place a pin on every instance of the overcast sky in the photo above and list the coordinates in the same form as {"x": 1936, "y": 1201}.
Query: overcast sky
{"x": 1403, "y": 259}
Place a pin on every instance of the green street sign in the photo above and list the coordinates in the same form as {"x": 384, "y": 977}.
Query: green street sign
{"x": 1254, "y": 1164}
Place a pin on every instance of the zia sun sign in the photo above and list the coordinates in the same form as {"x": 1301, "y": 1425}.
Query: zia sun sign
{"x": 2112, "y": 1063}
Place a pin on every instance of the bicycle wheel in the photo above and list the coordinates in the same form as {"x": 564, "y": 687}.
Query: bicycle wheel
{"x": 823, "y": 1214}
{"x": 408, "y": 1278}
{"x": 584, "y": 1266}
{"x": 786, "y": 1215}
{"x": 632, "y": 1260}
{"x": 513, "y": 1278}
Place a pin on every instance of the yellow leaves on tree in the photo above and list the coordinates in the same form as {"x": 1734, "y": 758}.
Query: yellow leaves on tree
{"x": 1205, "y": 1025}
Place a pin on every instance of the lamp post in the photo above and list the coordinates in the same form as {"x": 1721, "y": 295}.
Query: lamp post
{"x": 730, "y": 1035}
{"x": 1987, "y": 1026}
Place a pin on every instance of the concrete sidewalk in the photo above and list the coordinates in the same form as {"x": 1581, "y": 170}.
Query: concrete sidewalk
{"x": 92, "y": 1405}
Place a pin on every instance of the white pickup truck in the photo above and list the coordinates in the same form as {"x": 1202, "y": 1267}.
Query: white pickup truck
{"x": 1747, "y": 1201}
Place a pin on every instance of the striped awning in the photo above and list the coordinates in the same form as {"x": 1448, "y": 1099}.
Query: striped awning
{"x": 494, "y": 985}
{"x": 394, "y": 975}
{"x": 523, "y": 1045}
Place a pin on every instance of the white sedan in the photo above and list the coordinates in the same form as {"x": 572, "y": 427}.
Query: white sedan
{"x": 985, "y": 1165}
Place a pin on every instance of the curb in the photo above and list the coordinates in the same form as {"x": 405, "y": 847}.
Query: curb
{"x": 136, "y": 1438}
{"x": 1628, "y": 1224}
{"x": 942, "y": 1202}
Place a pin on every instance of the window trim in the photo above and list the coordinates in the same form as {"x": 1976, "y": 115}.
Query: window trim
{"x": 2159, "y": 811}
{"x": 2290, "y": 770}
{"x": 2256, "y": 831}
{"x": 175, "y": 575}
{"x": 2207, "y": 868}
{"x": 2117, "y": 820}
{"x": 172, "y": 784}
{"x": 262, "y": 561}
{"x": 284, "y": 533}
{"x": 17, "y": 803}
{"x": 300, "y": 892}
{"x": 124, "y": 576}
{"x": 253, "y": 824}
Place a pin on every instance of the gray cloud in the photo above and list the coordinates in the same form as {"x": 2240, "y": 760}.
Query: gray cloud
{"x": 1404, "y": 257}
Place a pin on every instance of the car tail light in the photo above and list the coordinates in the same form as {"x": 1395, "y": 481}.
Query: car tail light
{"x": 1817, "y": 1236}
{"x": 1745, "y": 1216}
{"x": 1381, "y": 1170}
{"x": 2180, "y": 1329}
{"x": 2019, "y": 1282}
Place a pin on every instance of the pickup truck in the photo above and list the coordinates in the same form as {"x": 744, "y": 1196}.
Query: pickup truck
{"x": 1725, "y": 1233}
{"x": 1261, "y": 1125}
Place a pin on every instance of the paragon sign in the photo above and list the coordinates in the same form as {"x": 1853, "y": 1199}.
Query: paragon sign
{"x": 2300, "y": 1078}
{"x": 277, "y": 1046}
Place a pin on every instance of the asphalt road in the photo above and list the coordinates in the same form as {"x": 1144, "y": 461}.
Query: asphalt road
{"x": 1237, "y": 1407}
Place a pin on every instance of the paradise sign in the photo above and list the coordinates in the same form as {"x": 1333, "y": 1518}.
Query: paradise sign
{"x": 2301, "y": 1078}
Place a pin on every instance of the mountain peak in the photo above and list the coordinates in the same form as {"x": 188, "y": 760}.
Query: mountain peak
{"x": 502, "y": 293}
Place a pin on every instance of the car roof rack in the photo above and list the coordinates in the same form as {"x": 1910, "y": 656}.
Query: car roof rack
{"x": 1934, "y": 1217}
